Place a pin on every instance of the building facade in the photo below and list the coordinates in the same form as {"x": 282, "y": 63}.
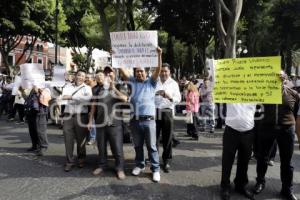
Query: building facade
{"x": 39, "y": 54}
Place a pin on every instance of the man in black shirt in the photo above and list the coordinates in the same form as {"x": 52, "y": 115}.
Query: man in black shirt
{"x": 107, "y": 105}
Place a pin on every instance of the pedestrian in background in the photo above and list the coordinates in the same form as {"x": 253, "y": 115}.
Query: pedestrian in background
{"x": 207, "y": 107}
{"x": 36, "y": 106}
{"x": 192, "y": 108}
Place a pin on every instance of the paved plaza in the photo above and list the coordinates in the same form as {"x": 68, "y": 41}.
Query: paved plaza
{"x": 196, "y": 171}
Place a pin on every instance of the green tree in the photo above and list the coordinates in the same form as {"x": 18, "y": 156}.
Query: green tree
{"x": 286, "y": 27}
{"x": 27, "y": 18}
{"x": 85, "y": 31}
{"x": 191, "y": 22}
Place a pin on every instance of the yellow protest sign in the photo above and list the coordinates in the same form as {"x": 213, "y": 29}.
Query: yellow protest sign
{"x": 248, "y": 80}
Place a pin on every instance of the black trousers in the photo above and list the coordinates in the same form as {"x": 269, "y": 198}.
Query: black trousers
{"x": 114, "y": 135}
{"x": 285, "y": 137}
{"x": 20, "y": 109}
{"x": 192, "y": 129}
{"x": 165, "y": 127}
{"x": 240, "y": 142}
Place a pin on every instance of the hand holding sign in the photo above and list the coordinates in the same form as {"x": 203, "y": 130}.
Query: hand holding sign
{"x": 134, "y": 49}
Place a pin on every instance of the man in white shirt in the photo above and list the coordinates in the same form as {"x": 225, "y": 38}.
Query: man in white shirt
{"x": 238, "y": 137}
{"x": 76, "y": 117}
{"x": 166, "y": 96}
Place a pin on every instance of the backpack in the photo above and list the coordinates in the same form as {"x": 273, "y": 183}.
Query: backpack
{"x": 31, "y": 104}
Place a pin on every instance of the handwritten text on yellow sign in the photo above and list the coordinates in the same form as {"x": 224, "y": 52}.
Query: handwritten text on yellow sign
{"x": 248, "y": 80}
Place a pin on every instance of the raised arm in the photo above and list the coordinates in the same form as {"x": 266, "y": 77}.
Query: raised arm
{"x": 124, "y": 74}
{"x": 158, "y": 68}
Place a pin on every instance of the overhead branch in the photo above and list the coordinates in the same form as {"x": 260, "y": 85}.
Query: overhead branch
{"x": 238, "y": 10}
{"x": 18, "y": 42}
{"x": 225, "y": 8}
{"x": 221, "y": 31}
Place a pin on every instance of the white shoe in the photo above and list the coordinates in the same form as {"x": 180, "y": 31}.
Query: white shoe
{"x": 136, "y": 171}
{"x": 156, "y": 176}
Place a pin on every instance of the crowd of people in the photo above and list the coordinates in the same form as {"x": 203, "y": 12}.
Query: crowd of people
{"x": 90, "y": 109}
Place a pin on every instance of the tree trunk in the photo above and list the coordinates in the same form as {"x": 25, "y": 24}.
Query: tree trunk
{"x": 7, "y": 45}
{"x": 89, "y": 58}
{"x": 26, "y": 48}
{"x": 289, "y": 62}
{"x": 104, "y": 22}
{"x": 129, "y": 13}
{"x": 228, "y": 36}
{"x": 119, "y": 15}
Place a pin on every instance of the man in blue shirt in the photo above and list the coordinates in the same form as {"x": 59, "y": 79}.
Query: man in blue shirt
{"x": 143, "y": 122}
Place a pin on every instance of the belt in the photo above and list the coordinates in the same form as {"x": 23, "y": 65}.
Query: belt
{"x": 144, "y": 117}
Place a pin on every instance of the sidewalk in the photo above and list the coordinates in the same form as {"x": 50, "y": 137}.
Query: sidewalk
{"x": 196, "y": 171}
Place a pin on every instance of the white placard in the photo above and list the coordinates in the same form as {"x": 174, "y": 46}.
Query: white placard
{"x": 58, "y": 79}
{"x": 32, "y": 73}
{"x": 134, "y": 49}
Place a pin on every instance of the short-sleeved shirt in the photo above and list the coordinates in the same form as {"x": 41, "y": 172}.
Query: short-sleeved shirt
{"x": 143, "y": 96}
{"x": 240, "y": 116}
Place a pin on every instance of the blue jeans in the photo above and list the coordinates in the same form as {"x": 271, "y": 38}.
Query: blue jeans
{"x": 207, "y": 115}
{"x": 145, "y": 130}
{"x": 92, "y": 135}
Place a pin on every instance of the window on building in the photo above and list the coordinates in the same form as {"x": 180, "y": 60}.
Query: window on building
{"x": 11, "y": 60}
{"x": 39, "y": 47}
{"x": 40, "y": 60}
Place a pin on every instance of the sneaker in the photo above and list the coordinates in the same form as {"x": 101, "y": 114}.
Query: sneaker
{"x": 91, "y": 142}
{"x": 11, "y": 119}
{"x": 271, "y": 163}
{"x": 97, "y": 171}
{"x": 136, "y": 171}
{"x": 156, "y": 177}
{"x": 20, "y": 122}
{"x": 32, "y": 149}
{"x": 121, "y": 175}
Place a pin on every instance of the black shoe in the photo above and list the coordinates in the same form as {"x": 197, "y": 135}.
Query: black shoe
{"x": 195, "y": 136}
{"x": 288, "y": 195}
{"x": 175, "y": 143}
{"x": 225, "y": 194}
{"x": 258, "y": 188}
{"x": 166, "y": 168}
{"x": 41, "y": 152}
{"x": 31, "y": 149}
{"x": 245, "y": 192}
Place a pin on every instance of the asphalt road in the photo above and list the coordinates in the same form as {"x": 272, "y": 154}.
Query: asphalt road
{"x": 196, "y": 171}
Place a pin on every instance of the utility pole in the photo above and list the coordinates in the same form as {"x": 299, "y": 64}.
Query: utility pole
{"x": 56, "y": 29}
